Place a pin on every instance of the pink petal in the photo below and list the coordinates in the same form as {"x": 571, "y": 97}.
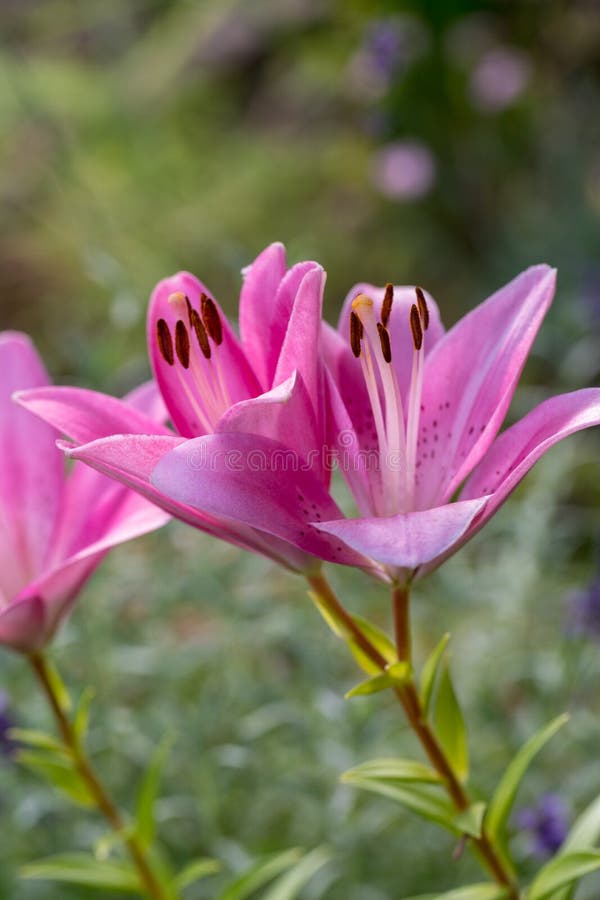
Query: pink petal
{"x": 518, "y": 448}
{"x": 301, "y": 346}
{"x": 470, "y": 378}
{"x": 187, "y": 391}
{"x": 258, "y": 310}
{"x": 408, "y": 540}
{"x": 31, "y": 469}
{"x": 23, "y": 625}
{"x": 257, "y": 482}
{"x": 87, "y": 415}
{"x": 132, "y": 458}
{"x": 283, "y": 414}
{"x": 398, "y": 327}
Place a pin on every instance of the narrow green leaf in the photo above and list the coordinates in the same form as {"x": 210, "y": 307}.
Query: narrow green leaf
{"x": 563, "y": 870}
{"x": 288, "y": 886}
{"x": 396, "y": 674}
{"x": 59, "y": 688}
{"x": 77, "y": 868}
{"x": 585, "y": 831}
{"x": 144, "y": 818}
{"x": 337, "y": 625}
{"x": 470, "y": 821}
{"x": 195, "y": 871}
{"x": 82, "y": 714}
{"x": 429, "y": 672}
{"x": 261, "y": 873}
{"x": 450, "y": 725}
{"x": 504, "y": 795}
{"x": 59, "y": 772}
{"x": 483, "y": 891}
{"x": 39, "y": 739}
{"x": 380, "y": 641}
{"x": 418, "y": 798}
{"x": 393, "y": 770}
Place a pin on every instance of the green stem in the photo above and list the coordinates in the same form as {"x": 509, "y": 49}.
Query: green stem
{"x": 408, "y": 696}
{"x": 102, "y": 799}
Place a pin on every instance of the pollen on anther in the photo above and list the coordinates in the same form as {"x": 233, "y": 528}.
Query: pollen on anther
{"x": 423, "y": 308}
{"x": 415, "y": 327}
{"x": 201, "y": 335}
{"x": 386, "y": 306}
{"x": 384, "y": 338}
{"x": 211, "y": 319}
{"x": 356, "y": 333}
{"x": 164, "y": 341}
{"x": 182, "y": 344}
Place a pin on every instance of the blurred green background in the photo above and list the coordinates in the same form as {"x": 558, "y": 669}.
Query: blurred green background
{"x": 449, "y": 144}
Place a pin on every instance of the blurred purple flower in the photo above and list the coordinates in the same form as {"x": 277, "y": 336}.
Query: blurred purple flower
{"x": 403, "y": 170}
{"x": 7, "y": 745}
{"x": 389, "y": 45}
{"x": 547, "y": 823}
{"x": 583, "y": 612}
{"x": 499, "y": 79}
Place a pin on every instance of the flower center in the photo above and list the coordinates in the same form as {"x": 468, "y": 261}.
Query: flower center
{"x": 194, "y": 353}
{"x": 397, "y": 430}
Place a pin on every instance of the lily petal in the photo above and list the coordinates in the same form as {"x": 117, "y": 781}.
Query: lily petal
{"x": 23, "y": 625}
{"x": 258, "y": 310}
{"x": 258, "y": 482}
{"x": 31, "y": 471}
{"x": 190, "y": 395}
{"x": 470, "y": 378}
{"x": 87, "y": 415}
{"x": 283, "y": 414}
{"x": 518, "y": 448}
{"x": 147, "y": 399}
{"x": 131, "y": 459}
{"x": 409, "y": 540}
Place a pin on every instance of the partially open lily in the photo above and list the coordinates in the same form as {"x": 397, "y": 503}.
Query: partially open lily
{"x": 416, "y": 411}
{"x": 55, "y": 527}
{"x": 248, "y": 461}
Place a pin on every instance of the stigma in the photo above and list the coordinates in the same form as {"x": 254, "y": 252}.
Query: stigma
{"x": 396, "y": 427}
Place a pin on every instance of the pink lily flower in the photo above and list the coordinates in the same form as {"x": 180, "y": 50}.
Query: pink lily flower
{"x": 248, "y": 461}
{"x": 55, "y": 528}
{"x": 417, "y": 411}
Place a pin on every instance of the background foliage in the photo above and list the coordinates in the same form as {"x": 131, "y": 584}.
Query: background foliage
{"x": 450, "y": 144}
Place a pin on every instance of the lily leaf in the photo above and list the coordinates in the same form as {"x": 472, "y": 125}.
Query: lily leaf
{"x": 380, "y": 641}
{"x": 59, "y": 772}
{"x": 261, "y": 873}
{"x": 450, "y": 725}
{"x": 416, "y": 797}
{"x": 77, "y": 868}
{"x": 504, "y": 795}
{"x": 395, "y": 675}
{"x": 470, "y": 821}
{"x": 37, "y": 739}
{"x": 563, "y": 870}
{"x": 393, "y": 770}
{"x": 429, "y": 672}
{"x": 82, "y": 714}
{"x": 289, "y": 885}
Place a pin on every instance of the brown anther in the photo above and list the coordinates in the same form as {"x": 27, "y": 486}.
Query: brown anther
{"x": 189, "y": 308}
{"x": 211, "y": 319}
{"x": 384, "y": 338}
{"x": 182, "y": 344}
{"x": 164, "y": 341}
{"x": 423, "y": 308}
{"x": 386, "y": 306}
{"x": 201, "y": 335}
{"x": 416, "y": 327}
{"x": 356, "y": 333}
